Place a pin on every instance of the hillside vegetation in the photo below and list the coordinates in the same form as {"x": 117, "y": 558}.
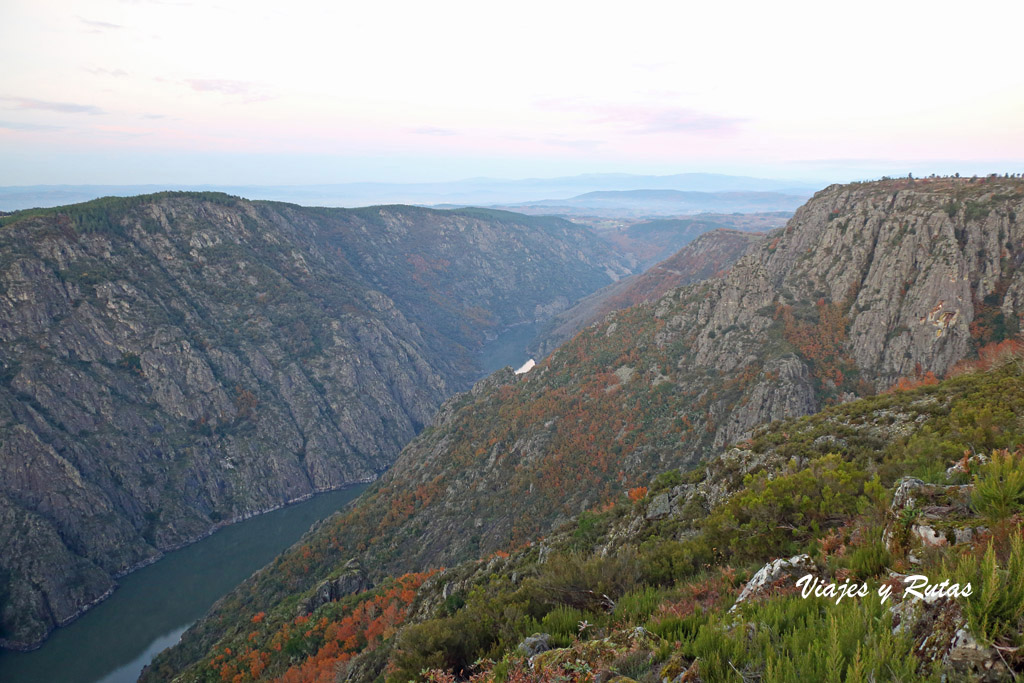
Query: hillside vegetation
{"x": 868, "y": 284}
{"x": 673, "y": 557}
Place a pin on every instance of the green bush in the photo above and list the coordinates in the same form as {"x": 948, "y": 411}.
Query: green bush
{"x": 563, "y": 624}
{"x": 589, "y": 528}
{"x": 793, "y": 640}
{"x": 675, "y": 629}
{"x": 995, "y": 608}
{"x": 633, "y": 664}
{"x": 452, "y": 643}
{"x": 664, "y": 562}
{"x": 870, "y": 560}
{"x": 588, "y": 583}
{"x": 772, "y": 516}
{"x": 666, "y": 480}
{"x": 999, "y": 487}
{"x": 636, "y": 606}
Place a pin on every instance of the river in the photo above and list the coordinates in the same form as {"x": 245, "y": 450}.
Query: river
{"x": 112, "y": 642}
{"x": 509, "y": 348}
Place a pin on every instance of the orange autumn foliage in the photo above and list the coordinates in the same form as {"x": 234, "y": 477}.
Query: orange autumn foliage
{"x": 989, "y": 356}
{"x": 332, "y": 641}
{"x": 907, "y": 383}
{"x": 637, "y": 494}
{"x": 369, "y": 622}
{"x": 823, "y": 343}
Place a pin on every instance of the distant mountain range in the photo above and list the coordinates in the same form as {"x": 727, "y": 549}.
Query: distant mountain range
{"x": 472, "y": 191}
{"x": 647, "y": 203}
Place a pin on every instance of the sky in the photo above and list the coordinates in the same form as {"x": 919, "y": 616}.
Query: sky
{"x": 299, "y": 92}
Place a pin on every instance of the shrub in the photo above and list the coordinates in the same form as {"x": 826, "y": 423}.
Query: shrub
{"x": 665, "y": 562}
{"x": 562, "y": 624}
{"x": 666, "y": 480}
{"x": 450, "y": 644}
{"x": 999, "y": 486}
{"x": 637, "y": 605}
{"x": 633, "y": 664}
{"x": 773, "y": 515}
{"x": 796, "y": 640}
{"x": 870, "y": 560}
{"x": 995, "y": 609}
{"x": 589, "y": 528}
{"x": 588, "y": 583}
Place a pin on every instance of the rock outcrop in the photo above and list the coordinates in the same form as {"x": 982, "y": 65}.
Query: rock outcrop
{"x": 776, "y": 573}
{"x": 925, "y": 516}
{"x": 353, "y": 579}
{"x": 709, "y": 255}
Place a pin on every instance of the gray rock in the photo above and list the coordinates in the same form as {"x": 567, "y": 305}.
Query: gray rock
{"x": 353, "y": 580}
{"x": 535, "y": 644}
{"x": 903, "y": 496}
{"x": 659, "y": 507}
{"x": 772, "y": 573}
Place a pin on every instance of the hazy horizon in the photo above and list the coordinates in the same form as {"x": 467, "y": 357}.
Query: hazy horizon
{"x": 471, "y": 191}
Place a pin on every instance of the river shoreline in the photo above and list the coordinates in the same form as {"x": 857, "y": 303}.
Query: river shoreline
{"x": 22, "y": 649}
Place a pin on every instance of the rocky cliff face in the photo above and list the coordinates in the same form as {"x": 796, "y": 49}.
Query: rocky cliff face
{"x": 709, "y": 255}
{"x": 866, "y": 284}
{"x": 175, "y": 362}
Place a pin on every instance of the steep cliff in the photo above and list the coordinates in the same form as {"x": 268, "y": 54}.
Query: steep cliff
{"x": 867, "y": 283}
{"x": 709, "y": 255}
{"x": 173, "y": 362}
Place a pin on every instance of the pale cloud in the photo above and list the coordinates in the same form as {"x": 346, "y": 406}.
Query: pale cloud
{"x": 669, "y": 120}
{"x": 44, "y": 105}
{"x": 247, "y": 91}
{"x": 433, "y": 130}
{"x": 28, "y": 127}
{"x": 645, "y": 119}
{"x": 572, "y": 143}
{"x": 99, "y": 26}
{"x": 100, "y": 71}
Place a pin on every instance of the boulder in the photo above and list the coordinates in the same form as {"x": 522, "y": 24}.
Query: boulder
{"x": 774, "y": 573}
{"x": 535, "y": 644}
{"x": 353, "y": 580}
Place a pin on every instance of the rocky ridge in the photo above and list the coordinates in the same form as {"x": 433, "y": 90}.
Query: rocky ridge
{"x": 709, "y": 255}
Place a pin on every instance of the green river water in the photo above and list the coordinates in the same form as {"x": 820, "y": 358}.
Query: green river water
{"x": 153, "y": 606}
